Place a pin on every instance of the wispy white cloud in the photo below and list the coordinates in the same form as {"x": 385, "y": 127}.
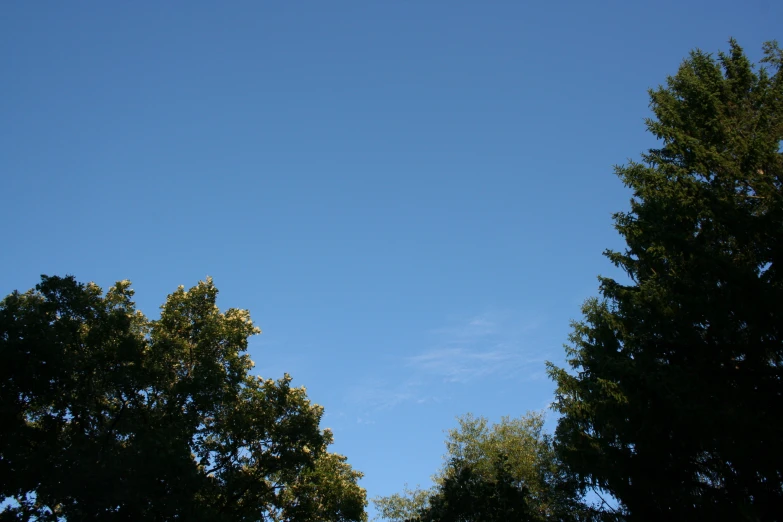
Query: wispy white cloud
{"x": 494, "y": 345}
{"x": 379, "y": 395}
{"x": 466, "y": 364}
{"x": 470, "y": 329}
{"x": 383, "y": 394}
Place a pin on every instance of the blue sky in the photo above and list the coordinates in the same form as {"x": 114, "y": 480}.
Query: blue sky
{"x": 411, "y": 198}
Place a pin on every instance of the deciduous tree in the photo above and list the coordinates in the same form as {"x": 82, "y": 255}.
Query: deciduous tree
{"x": 502, "y": 472}
{"x": 107, "y": 415}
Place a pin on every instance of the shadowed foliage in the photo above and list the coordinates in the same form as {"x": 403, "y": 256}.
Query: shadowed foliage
{"x": 674, "y": 400}
{"x": 502, "y": 472}
{"x": 107, "y": 415}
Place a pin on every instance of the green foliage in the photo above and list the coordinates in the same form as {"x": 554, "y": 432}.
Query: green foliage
{"x": 105, "y": 414}
{"x": 399, "y": 507}
{"x": 505, "y": 472}
{"x": 674, "y": 401}
{"x": 465, "y": 494}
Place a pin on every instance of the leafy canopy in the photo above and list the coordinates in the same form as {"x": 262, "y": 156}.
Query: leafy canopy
{"x": 106, "y": 414}
{"x": 502, "y": 472}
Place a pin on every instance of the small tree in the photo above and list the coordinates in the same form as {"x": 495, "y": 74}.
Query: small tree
{"x": 502, "y": 472}
{"x": 675, "y": 400}
{"x": 105, "y": 414}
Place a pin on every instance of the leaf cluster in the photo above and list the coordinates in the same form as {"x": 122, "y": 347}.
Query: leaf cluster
{"x": 106, "y": 414}
{"x": 507, "y": 471}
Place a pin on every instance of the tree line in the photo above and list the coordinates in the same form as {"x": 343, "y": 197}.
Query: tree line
{"x": 669, "y": 409}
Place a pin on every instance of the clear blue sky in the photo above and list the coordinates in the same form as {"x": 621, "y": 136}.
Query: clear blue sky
{"x": 411, "y": 198}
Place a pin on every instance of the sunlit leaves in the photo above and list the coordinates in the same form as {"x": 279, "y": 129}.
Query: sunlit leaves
{"x": 107, "y": 414}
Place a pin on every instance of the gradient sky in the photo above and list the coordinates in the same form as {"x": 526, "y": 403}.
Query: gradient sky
{"x": 411, "y": 197}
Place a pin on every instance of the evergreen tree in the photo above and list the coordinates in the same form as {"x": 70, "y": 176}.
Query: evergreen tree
{"x": 675, "y": 399}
